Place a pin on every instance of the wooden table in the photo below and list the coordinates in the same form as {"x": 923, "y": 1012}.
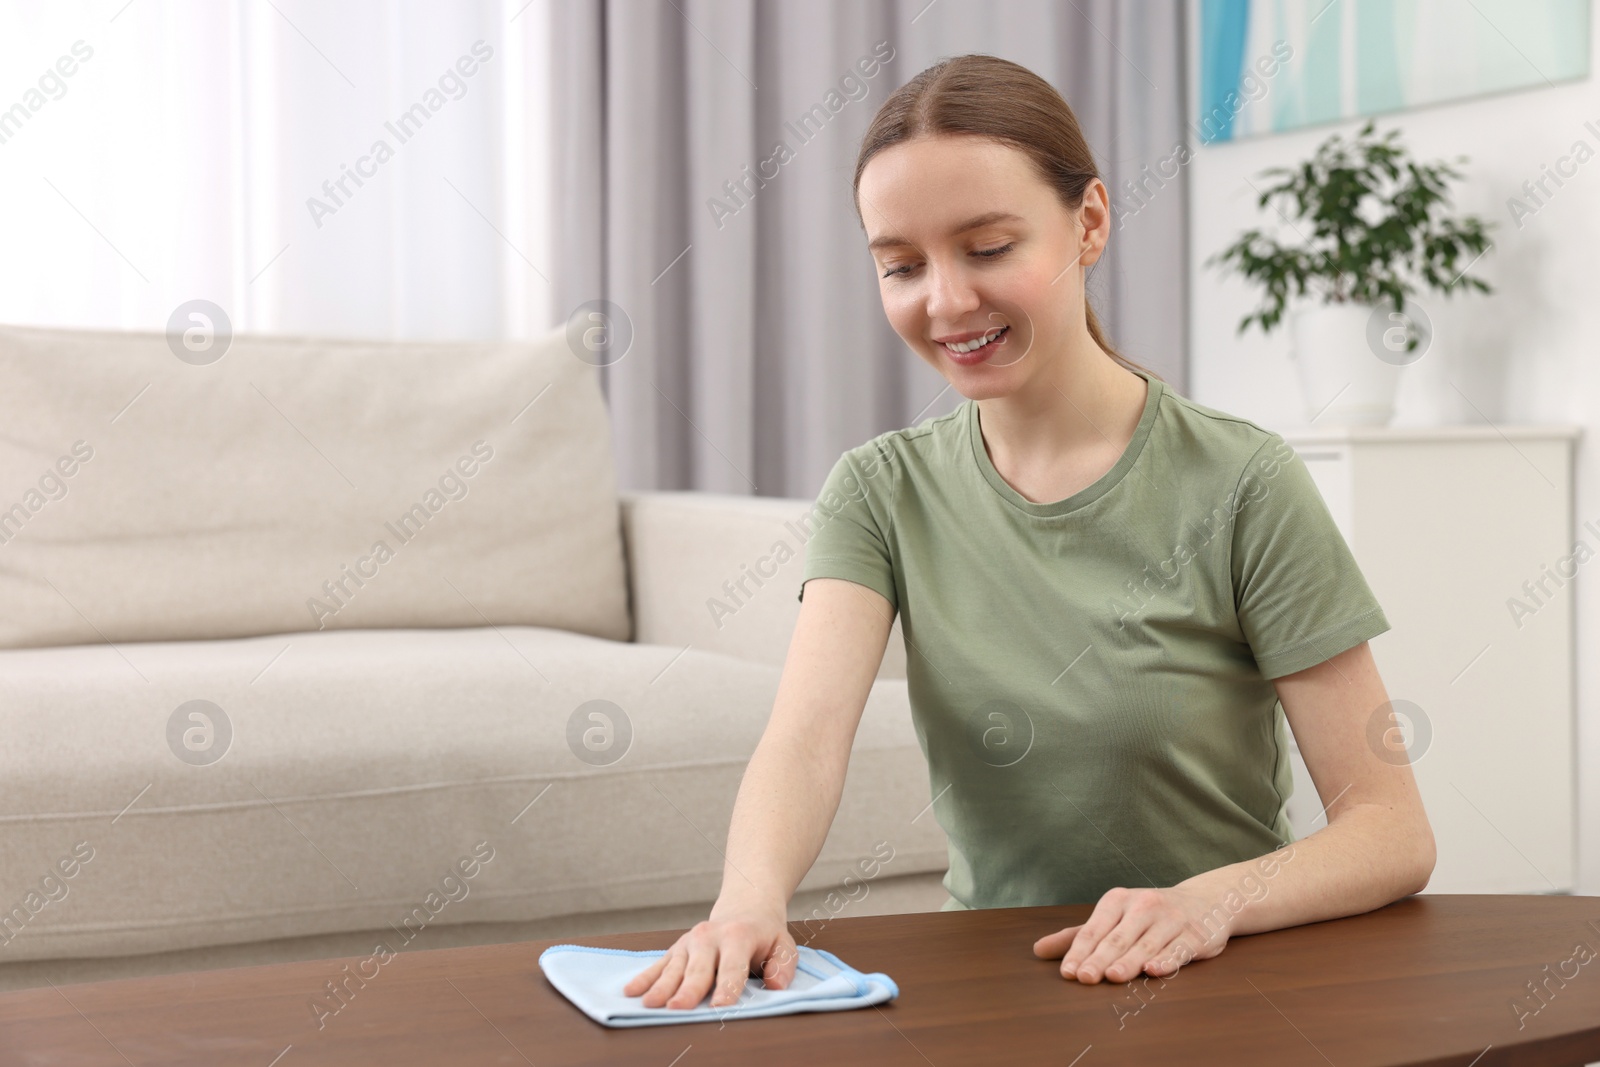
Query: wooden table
{"x": 1432, "y": 979}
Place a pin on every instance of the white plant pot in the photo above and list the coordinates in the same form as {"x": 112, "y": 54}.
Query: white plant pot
{"x": 1343, "y": 379}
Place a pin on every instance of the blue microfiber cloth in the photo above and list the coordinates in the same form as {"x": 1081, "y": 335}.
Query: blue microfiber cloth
{"x": 593, "y": 978}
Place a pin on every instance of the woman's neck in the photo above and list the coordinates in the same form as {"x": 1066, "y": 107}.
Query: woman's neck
{"x": 1082, "y": 404}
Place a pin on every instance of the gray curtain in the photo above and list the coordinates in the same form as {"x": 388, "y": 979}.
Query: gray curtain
{"x": 760, "y": 349}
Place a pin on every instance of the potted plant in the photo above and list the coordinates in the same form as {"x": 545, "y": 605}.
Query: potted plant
{"x": 1371, "y": 227}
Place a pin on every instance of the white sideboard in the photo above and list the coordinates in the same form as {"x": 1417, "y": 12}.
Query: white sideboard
{"x": 1448, "y": 524}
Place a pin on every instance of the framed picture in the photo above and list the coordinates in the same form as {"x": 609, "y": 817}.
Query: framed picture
{"x": 1265, "y": 66}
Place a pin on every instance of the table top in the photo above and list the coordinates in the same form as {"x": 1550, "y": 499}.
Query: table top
{"x": 1435, "y": 979}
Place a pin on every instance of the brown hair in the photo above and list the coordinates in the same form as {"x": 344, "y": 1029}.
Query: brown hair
{"x": 995, "y": 98}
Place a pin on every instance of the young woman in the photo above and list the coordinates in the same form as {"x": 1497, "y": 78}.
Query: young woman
{"x": 1105, "y": 590}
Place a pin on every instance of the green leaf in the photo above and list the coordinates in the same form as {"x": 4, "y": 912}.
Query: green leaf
{"x": 1369, "y": 224}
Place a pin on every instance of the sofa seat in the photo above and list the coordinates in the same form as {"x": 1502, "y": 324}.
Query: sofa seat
{"x": 369, "y": 769}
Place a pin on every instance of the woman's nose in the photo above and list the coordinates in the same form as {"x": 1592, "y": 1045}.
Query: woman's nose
{"x": 950, "y": 294}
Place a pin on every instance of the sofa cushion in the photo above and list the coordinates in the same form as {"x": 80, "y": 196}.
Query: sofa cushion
{"x": 721, "y": 572}
{"x": 301, "y": 484}
{"x": 359, "y": 768}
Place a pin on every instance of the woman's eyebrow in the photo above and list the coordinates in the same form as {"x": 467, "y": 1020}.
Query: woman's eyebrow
{"x": 891, "y": 240}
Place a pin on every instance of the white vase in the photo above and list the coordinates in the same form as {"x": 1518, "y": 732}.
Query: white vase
{"x": 1349, "y": 358}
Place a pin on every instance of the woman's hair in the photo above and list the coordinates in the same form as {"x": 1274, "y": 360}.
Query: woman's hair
{"x": 1004, "y": 101}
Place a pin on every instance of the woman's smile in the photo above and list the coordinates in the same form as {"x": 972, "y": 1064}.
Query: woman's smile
{"x": 979, "y": 349}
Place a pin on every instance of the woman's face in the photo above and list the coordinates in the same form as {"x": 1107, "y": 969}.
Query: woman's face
{"x": 969, "y": 243}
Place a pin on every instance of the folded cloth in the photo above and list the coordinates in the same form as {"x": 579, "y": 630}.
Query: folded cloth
{"x": 593, "y": 978}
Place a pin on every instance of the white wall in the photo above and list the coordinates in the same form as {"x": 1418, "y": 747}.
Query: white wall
{"x": 1524, "y": 354}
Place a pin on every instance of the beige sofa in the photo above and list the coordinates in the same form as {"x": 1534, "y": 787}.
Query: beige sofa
{"x": 320, "y": 643}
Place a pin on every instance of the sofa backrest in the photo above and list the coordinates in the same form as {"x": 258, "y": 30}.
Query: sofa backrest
{"x": 301, "y": 484}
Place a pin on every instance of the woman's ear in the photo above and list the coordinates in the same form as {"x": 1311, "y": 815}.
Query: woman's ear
{"x": 1094, "y": 221}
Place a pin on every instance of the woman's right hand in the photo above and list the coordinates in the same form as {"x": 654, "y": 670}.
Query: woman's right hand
{"x": 723, "y": 949}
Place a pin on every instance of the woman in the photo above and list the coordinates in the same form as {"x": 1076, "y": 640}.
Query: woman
{"x": 1105, "y": 591}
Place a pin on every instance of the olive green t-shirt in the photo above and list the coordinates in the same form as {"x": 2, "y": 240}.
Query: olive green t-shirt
{"x": 1090, "y": 678}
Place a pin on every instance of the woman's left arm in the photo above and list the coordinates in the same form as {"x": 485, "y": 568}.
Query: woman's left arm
{"x": 1376, "y": 848}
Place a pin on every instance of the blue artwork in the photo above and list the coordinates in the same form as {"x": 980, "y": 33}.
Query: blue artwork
{"x": 1271, "y": 65}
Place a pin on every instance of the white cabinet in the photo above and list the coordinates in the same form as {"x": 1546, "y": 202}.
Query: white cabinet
{"x": 1453, "y": 528}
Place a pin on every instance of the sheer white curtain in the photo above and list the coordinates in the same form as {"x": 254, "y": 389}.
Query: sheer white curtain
{"x": 154, "y": 152}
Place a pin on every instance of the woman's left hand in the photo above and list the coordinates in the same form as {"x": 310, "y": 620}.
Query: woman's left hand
{"x": 1134, "y": 930}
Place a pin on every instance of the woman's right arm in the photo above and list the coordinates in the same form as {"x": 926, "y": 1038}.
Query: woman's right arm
{"x": 786, "y": 802}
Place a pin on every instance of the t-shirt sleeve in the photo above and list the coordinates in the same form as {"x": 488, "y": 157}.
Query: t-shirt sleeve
{"x": 849, "y": 524}
{"x": 1300, "y": 595}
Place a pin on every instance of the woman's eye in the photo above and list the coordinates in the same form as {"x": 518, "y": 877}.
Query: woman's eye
{"x": 986, "y": 253}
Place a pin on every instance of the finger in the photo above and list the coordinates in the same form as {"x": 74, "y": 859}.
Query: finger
{"x": 1106, "y": 915}
{"x": 1054, "y": 946}
{"x": 1162, "y": 962}
{"x": 667, "y": 982}
{"x": 645, "y": 978}
{"x": 697, "y": 977}
{"x": 1132, "y": 962}
{"x": 1113, "y": 945}
{"x": 733, "y": 973}
{"x": 1171, "y": 958}
{"x": 777, "y": 970}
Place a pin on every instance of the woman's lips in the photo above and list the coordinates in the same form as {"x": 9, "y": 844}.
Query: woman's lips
{"x": 980, "y": 355}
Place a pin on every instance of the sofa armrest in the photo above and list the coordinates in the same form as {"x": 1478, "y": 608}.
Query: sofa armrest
{"x": 721, "y": 573}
